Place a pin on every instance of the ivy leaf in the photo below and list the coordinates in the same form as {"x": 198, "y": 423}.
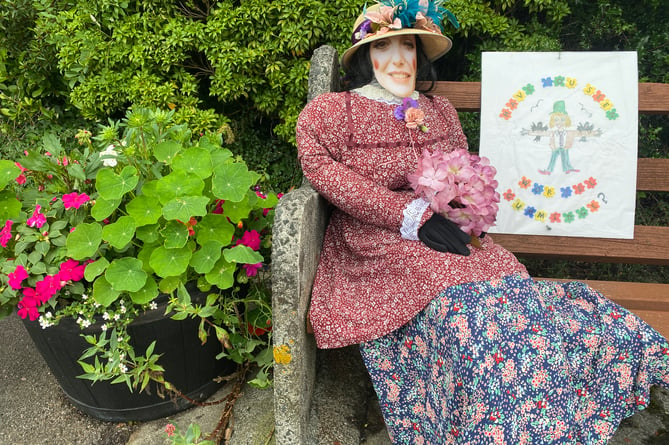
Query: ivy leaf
{"x": 8, "y": 173}
{"x": 146, "y": 293}
{"x": 183, "y": 207}
{"x": 103, "y": 292}
{"x": 242, "y": 254}
{"x": 84, "y": 241}
{"x": 170, "y": 262}
{"x": 232, "y": 181}
{"x": 113, "y": 186}
{"x": 144, "y": 210}
{"x": 118, "y": 234}
{"x": 103, "y": 208}
{"x": 194, "y": 161}
{"x": 206, "y": 257}
{"x": 126, "y": 274}
{"x": 10, "y": 207}
{"x": 214, "y": 227}
{"x": 166, "y": 151}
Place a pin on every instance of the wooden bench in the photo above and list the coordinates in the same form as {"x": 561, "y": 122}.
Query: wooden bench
{"x": 301, "y": 218}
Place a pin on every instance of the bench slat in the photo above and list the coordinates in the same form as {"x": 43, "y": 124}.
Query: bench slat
{"x": 652, "y": 174}
{"x": 647, "y": 300}
{"x": 649, "y": 246}
{"x": 466, "y": 96}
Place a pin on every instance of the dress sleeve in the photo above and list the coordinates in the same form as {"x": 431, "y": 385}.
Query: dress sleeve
{"x": 321, "y": 135}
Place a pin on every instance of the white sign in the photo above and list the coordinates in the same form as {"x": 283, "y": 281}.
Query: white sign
{"x": 561, "y": 129}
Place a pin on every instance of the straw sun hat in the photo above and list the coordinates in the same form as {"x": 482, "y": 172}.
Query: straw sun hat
{"x": 400, "y": 17}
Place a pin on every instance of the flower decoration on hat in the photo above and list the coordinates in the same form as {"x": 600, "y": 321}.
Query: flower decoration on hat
{"x": 399, "y": 14}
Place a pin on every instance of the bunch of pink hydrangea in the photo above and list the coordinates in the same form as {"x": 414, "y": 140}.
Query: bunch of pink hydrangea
{"x": 459, "y": 185}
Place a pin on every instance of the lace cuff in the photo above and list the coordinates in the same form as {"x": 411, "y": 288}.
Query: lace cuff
{"x": 413, "y": 213}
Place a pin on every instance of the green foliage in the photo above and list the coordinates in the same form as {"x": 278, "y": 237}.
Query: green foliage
{"x": 144, "y": 208}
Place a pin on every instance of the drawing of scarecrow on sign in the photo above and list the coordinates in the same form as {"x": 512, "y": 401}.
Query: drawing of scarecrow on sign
{"x": 561, "y": 137}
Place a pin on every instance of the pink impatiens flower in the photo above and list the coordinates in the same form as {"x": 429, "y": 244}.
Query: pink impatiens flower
{"x": 28, "y": 305}
{"x": 16, "y": 278}
{"x": 21, "y": 178}
{"x": 250, "y": 239}
{"x": 38, "y": 219}
{"x": 48, "y": 287}
{"x": 75, "y": 200}
{"x": 71, "y": 270}
{"x": 6, "y": 233}
{"x": 252, "y": 269}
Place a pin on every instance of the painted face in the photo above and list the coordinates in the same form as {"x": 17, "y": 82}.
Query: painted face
{"x": 394, "y": 61}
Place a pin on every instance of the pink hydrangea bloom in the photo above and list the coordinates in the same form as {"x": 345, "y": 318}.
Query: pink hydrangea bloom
{"x": 16, "y": 278}
{"x": 459, "y": 185}
{"x": 38, "y": 219}
{"x": 75, "y": 200}
{"x": 250, "y": 239}
{"x": 6, "y": 233}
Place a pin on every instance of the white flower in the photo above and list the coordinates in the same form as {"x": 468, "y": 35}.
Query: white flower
{"x": 105, "y": 316}
{"x": 103, "y": 327}
{"x": 117, "y": 316}
{"x": 111, "y": 154}
{"x": 153, "y": 306}
{"x": 86, "y": 323}
{"x": 123, "y": 368}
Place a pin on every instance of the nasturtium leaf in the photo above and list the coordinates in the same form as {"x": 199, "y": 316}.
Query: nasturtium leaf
{"x": 148, "y": 234}
{"x": 205, "y": 258}
{"x": 169, "y": 284}
{"x": 178, "y": 184}
{"x": 144, "y": 255}
{"x": 144, "y": 210}
{"x": 146, "y": 293}
{"x": 183, "y": 207}
{"x": 214, "y": 227}
{"x": 242, "y": 254}
{"x": 113, "y": 186}
{"x": 83, "y": 242}
{"x": 10, "y": 207}
{"x": 95, "y": 269}
{"x": 194, "y": 161}
{"x": 8, "y": 173}
{"x": 231, "y": 181}
{"x": 170, "y": 262}
{"x": 103, "y": 292}
{"x": 175, "y": 234}
{"x": 270, "y": 201}
{"x": 118, "y": 234}
{"x": 237, "y": 211}
{"x": 103, "y": 208}
{"x": 222, "y": 275}
{"x": 126, "y": 274}
{"x": 166, "y": 151}
{"x": 149, "y": 189}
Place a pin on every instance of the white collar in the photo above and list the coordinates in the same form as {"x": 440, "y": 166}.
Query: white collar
{"x": 375, "y": 91}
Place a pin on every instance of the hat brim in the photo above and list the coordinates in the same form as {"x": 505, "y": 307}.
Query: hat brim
{"x": 434, "y": 45}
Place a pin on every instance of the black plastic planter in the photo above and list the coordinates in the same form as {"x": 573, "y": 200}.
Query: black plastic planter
{"x": 189, "y": 366}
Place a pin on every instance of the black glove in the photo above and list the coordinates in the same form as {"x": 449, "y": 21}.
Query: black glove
{"x": 440, "y": 234}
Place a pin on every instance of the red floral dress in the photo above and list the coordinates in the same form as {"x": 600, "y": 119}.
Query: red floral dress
{"x": 461, "y": 350}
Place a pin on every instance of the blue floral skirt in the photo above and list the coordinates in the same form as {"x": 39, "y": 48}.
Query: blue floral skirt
{"x": 515, "y": 361}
